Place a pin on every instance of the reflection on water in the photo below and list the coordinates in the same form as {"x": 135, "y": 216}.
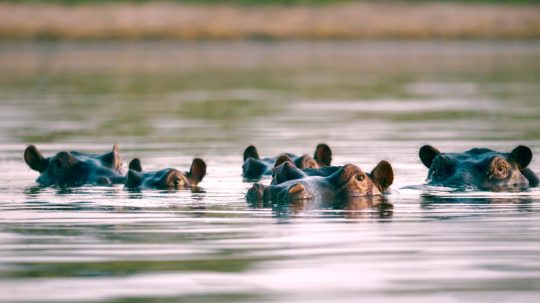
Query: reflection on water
{"x": 356, "y": 207}
{"x": 167, "y": 102}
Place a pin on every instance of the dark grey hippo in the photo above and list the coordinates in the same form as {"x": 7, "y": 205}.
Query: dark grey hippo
{"x": 480, "y": 168}
{"x": 255, "y": 167}
{"x": 167, "y": 178}
{"x": 292, "y": 184}
{"x": 72, "y": 168}
{"x": 282, "y": 173}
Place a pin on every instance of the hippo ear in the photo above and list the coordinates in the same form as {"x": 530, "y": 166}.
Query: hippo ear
{"x": 427, "y": 154}
{"x": 323, "y": 155}
{"x": 198, "y": 170}
{"x": 34, "y": 159}
{"x": 112, "y": 159}
{"x": 133, "y": 179}
{"x": 522, "y": 155}
{"x": 383, "y": 174}
{"x": 282, "y": 159}
{"x": 251, "y": 152}
{"x": 135, "y": 165}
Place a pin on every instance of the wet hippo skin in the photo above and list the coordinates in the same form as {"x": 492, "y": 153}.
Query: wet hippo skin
{"x": 480, "y": 169}
{"x": 292, "y": 184}
{"x": 280, "y": 173}
{"x": 255, "y": 167}
{"x": 71, "y": 168}
{"x": 167, "y": 178}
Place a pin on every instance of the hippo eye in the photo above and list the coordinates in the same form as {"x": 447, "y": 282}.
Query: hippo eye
{"x": 501, "y": 170}
{"x": 178, "y": 182}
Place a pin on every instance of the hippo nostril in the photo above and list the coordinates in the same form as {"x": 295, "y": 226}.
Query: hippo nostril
{"x": 295, "y": 189}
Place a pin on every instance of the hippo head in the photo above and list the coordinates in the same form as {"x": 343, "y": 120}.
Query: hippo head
{"x": 74, "y": 168}
{"x": 305, "y": 161}
{"x": 480, "y": 168}
{"x": 282, "y": 173}
{"x": 168, "y": 178}
{"x": 255, "y": 167}
{"x": 351, "y": 181}
{"x": 321, "y": 158}
{"x": 292, "y": 184}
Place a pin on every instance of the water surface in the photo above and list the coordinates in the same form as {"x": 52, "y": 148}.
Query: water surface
{"x": 167, "y": 102}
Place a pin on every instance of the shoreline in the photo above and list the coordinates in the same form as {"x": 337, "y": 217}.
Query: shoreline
{"x": 374, "y": 21}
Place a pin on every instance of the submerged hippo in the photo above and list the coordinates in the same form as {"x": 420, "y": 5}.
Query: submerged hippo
{"x": 71, "y": 168}
{"x": 254, "y": 167}
{"x": 283, "y": 173}
{"x": 480, "y": 168}
{"x": 168, "y": 178}
{"x": 292, "y": 184}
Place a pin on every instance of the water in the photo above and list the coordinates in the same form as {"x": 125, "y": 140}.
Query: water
{"x": 167, "y": 102}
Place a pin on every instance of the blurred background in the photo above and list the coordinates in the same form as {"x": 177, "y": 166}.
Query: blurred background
{"x": 270, "y": 19}
{"x": 143, "y": 71}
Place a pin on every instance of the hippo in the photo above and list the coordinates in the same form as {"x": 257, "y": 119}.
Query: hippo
{"x": 280, "y": 173}
{"x": 480, "y": 169}
{"x": 167, "y": 178}
{"x": 254, "y": 167}
{"x": 72, "y": 168}
{"x": 291, "y": 184}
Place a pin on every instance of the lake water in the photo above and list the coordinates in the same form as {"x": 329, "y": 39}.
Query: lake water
{"x": 167, "y": 102}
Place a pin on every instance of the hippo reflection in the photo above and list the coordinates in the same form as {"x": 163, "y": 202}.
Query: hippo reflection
{"x": 168, "y": 178}
{"x": 430, "y": 200}
{"x": 254, "y": 167}
{"x": 292, "y": 184}
{"x": 492, "y": 205}
{"x": 480, "y": 168}
{"x": 71, "y": 168}
{"x": 351, "y": 208}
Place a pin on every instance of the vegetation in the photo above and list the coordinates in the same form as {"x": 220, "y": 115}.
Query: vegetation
{"x": 348, "y": 20}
